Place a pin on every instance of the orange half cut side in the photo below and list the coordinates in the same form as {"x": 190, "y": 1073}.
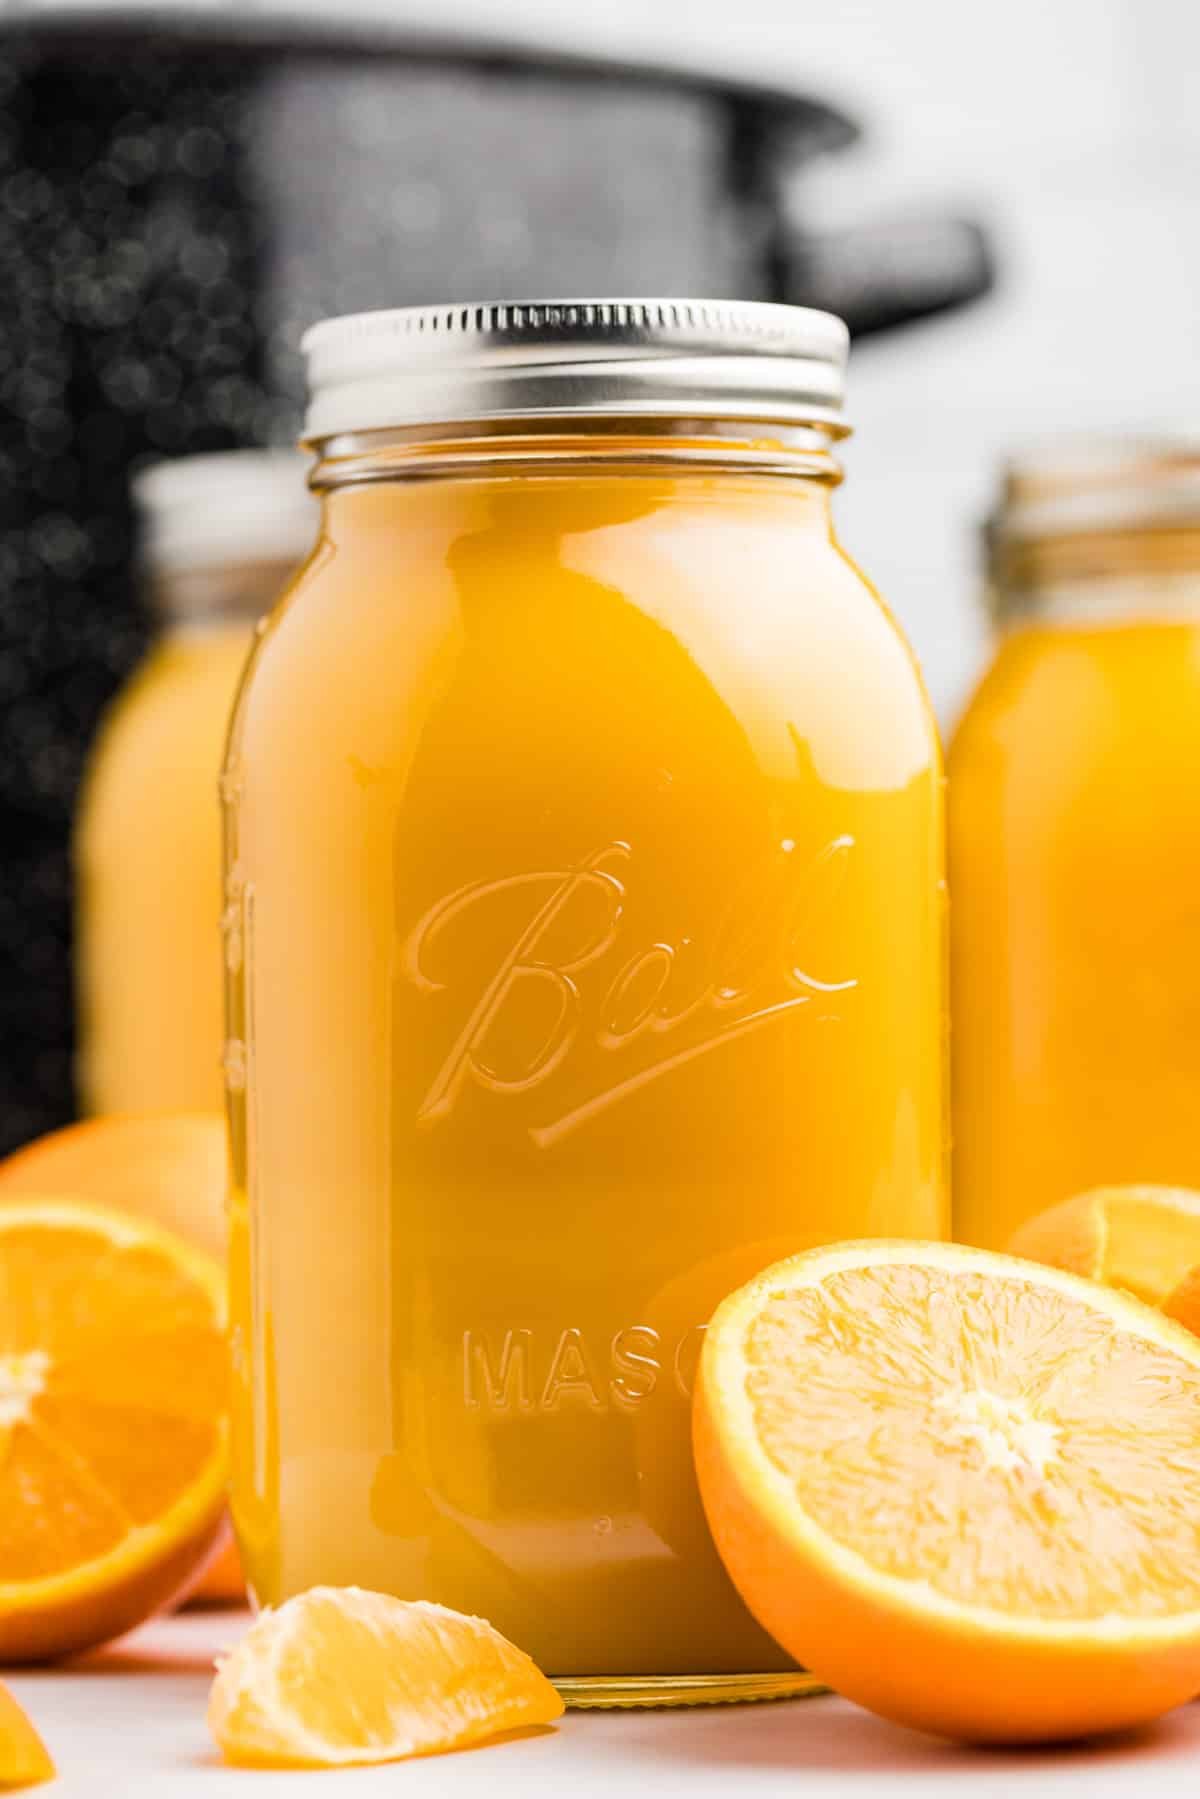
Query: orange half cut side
{"x": 963, "y": 1489}
{"x": 113, "y": 1392}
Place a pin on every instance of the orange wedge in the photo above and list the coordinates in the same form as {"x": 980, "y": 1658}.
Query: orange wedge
{"x": 112, "y": 1422}
{"x": 168, "y": 1167}
{"x": 24, "y": 1759}
{"x": 337, "y": 1676}
{"x": 1145, "y": 1239}
{"x": 962, "y": 1489}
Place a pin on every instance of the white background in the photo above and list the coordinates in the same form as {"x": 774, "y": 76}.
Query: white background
{"x": 1074, "y": 126}
{"x": 128, "y": 1723}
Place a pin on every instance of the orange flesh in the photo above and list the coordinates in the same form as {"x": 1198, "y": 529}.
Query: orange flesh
{"x": 112, "y": 1384}
{"x": 362, "y": 1710}
{"x": 1144, "y": 1239}
{"x": 1150, "y": 1243}
{"x": 1008, "y": 1445}
{"x": 167, "y": 1167}
{"x": 340, "y": 1676}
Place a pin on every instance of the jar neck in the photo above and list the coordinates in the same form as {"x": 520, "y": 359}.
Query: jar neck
{"x": 225, "y": 594}
{"x": 1098, "y": 578}
{"x": 548, "y": 447}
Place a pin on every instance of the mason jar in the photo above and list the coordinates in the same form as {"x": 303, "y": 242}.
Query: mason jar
{"x": 220, "y": 535}
{"x": 1075, "y": 841}
{"x": 584, "y": 916}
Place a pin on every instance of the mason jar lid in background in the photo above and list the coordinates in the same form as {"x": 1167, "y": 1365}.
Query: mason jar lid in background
{"x": 702, "y": 359}
{"x": 1096, "y": 528}
{"x": 1078, "y": 486}
{"x": 234, "y": 506}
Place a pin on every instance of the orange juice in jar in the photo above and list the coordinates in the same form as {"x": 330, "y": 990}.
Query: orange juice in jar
{"x": 584, "y": 887}
{"x": 221, "y": 534}
{"x": 1075, "y": 843}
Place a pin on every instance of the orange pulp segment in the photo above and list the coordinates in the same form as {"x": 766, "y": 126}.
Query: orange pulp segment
{"x": 962, "y": 1489}
{"x": 113, "y": 1394}
{"x": 339, "y": 1676}
{"x": 24, "y": 1759}
{"x": 1145, "y": 1239}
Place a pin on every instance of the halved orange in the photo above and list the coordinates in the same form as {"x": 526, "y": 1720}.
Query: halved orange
{"x": 338, "y": 1676}
{"x": 113, "y": 1392}
{"x": 168, "y": 1167}
{"x": 962, "y": 1489}
{"x": 1145, "y": 1239}
{"x": 24, "y": 1759}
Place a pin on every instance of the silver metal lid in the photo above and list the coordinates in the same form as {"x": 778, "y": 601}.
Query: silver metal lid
{"x": 1080, "y": 486}
{"x": 703, "y": 359}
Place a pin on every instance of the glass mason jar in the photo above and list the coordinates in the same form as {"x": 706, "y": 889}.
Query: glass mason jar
{"x": 1075, "y": 843}
{"x": 221, "y": 534}
{"x": 584, "y": 880}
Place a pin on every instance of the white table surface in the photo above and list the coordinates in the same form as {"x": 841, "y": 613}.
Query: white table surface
{"x": 128, "y": 1723}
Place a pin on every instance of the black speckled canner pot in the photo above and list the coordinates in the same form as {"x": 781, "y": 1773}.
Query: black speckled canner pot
{"x": 179, "y": 197}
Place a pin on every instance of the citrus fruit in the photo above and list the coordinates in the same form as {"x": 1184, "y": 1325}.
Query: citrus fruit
{"x": 168, "y": 1167}
{"x": 1146, "y": 1239}
{"x": 338, "y": 1676}
{"x": 962, "y": 1489}
{"x": 113, "y": 1383}
{"x": 24, "y": 1759}
{"x": 1183, "y": 1301}
{"x": 223, "y": 1582}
